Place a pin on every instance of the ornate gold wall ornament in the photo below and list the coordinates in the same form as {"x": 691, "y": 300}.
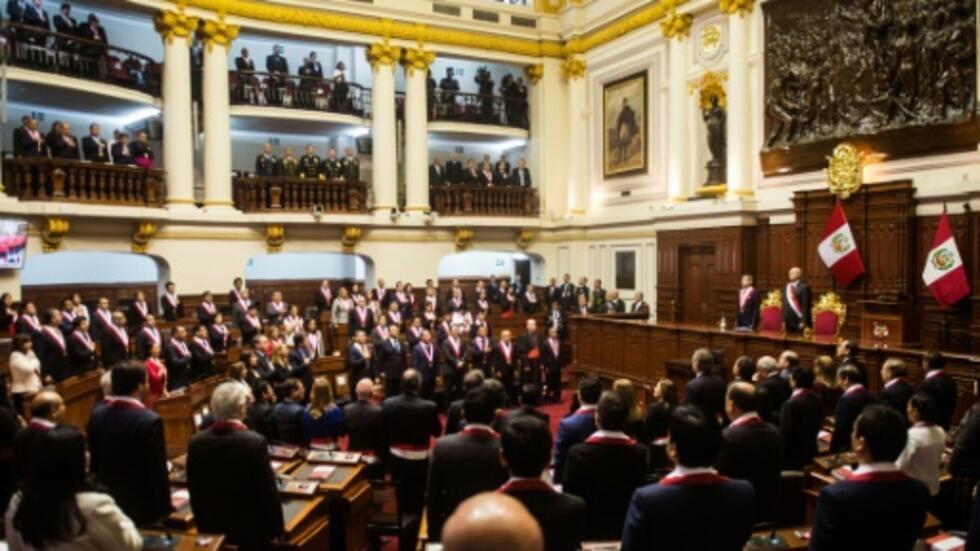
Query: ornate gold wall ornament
{"x": 462, "y": 238}
{"x": 350, "y": 237}
{"x": 573, "y": 67}
{"x": 53, "y": 233}
{"x": 549, "y": 6}
{"x": 383, "y": 54}
{"x": 533, "y": 73}
{"x": 217, "y": 32}
{"x": 731, "y": 7}
{"x": 845, "y": 171}
{"x": 142, "y": 235}
{"x": 710, "y": 84}
{"x": 417, "y": 59}
{"x": 275, "y": 237}
{"x": 676, "y": 25}
{"x": 831, "y": 302}
{"x": 710, "y": 40}
{"x": 523, "y": 239}
{"x": 175, "y": 24}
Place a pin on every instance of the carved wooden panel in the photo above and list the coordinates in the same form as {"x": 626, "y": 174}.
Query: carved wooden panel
{"x": 119, "y": 294}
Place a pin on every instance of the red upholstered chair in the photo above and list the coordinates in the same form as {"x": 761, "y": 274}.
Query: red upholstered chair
{"x": 771, "y": 313}
{"x": 829, "y": 316}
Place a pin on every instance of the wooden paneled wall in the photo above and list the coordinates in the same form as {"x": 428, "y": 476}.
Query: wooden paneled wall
{"x": 121, "y": 294}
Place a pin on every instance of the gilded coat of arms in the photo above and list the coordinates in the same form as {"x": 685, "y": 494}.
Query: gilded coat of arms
{"x": 846, "y": 170}
{"x": 943, "y": 259}
{"x": 840, "y": 243}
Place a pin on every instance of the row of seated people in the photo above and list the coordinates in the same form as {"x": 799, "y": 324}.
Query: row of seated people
{"x": 486, "y": 174}
{"x": 60, "y": 143}
{"x": 310, "y": 165}
{"x": 314, "y": 91}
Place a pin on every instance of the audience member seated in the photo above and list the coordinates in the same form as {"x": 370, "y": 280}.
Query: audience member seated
{"x": 464, "y": 464}
{"x": 526, "y": 452}
{"x": 877, "y": 507}
{"x": 410, "y": 422}
{"x": 706, "y": 390}
{"x": 849, "y": 407}
{"x": 231, "y": 482}
{"x": 751, "y": 448}
{"x": 897, "y": 389}
{"x": 287, "y": 415}
{"x": 800, "y": 421}
{"x": 578, "y": 426}
{"x": 606, "y": 469}
{"x": 693, "y": 507}
{"x": 57, "y": 509}
{"x": 491, "y": 522}
{"x": 365, "y": 424}
{"x": 323, "y": 420}
{"x": 940, "y": 386}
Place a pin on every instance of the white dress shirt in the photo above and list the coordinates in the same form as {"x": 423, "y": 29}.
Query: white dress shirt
{"x": 923, "y": 454}
{"x": 25, "y": 372}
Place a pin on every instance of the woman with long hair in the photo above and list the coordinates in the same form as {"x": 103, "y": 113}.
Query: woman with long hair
{"x": 342, "y": 305}
{"x": 56, "y": 508}
{"x": 323, "y": 420}
{"x": 656, "y": 422}
{"x": 626, "y": 391}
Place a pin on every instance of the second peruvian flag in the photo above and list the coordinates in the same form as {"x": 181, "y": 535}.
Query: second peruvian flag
{"x": 838, "y": 249}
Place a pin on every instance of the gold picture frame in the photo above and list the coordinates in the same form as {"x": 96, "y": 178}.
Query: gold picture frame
{"x": 625, "y": 134}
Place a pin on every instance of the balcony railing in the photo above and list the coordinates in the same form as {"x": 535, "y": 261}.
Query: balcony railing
{"x": 299, "y": 92}
{"x": 285, "y": 194}
{"x": 69, "y": 55}
{"x": 43, "y": 179}
{"x": 463, "y": 200}
{"x": 479, "y": 109}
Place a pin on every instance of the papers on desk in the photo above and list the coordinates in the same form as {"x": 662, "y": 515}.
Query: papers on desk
{"x": 179, "y": 498}
{"x": 945, "y": 542}
{"x": 300, "y": 488}
{"x": 600, "y": 546}
{"x": 283, "y": 452}
{"x": 322, "y": 472}
{"x": 340, "y": 458}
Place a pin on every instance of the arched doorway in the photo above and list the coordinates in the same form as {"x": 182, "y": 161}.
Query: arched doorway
{"x": 482, "y": 264}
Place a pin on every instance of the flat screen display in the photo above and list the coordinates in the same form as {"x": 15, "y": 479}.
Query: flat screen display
{"x": 13, "y": 244}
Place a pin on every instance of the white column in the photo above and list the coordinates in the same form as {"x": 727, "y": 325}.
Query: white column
{"x": 678, "y": 176}
{"x": 384, "y": 160}
{"x": 578, "y": 166}
{"x": 178, "y": 149}
{"x": 548, "y": 136}
{"x": 217, "y": 37}
{"x": 416, "y": 63}
{"x": 740, "y": 155}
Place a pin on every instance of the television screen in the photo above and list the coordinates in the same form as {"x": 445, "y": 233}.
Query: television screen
{"x": 13, "y": 243}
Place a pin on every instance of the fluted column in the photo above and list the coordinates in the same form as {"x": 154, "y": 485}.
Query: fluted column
{"x": 217, "y": 37}
{"x": 676, "y": 28}
{"x": 548, "y": 135}
{"x": 384, "y": 158}
{"x": 740, "y": 156}
{"x": 177, "y": 30}
{"x": 416, "y": 62}
{"x": 573, "y": 69}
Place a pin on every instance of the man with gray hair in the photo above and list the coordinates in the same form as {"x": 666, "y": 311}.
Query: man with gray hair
{"x": 365, "y": 426}
{"x": 706, "y": 390}
{"x": 232, "y": 485}
{"x": 773, "y": 389}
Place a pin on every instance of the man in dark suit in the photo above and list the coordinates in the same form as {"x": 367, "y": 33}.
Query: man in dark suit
{"x": 94, "y": 148}
{"x": 170, "y": 303}
{"x": 897, "y": 389}
{"x": 466, "y": 463}
{"x": 276, "y": 63}
{"x": 409, "y": 423}
{"x": 747, "y": 309}
{"x": 940, "y": 386}
{"x": 568, "y": 298}
{"x": 232, "y": 485}
{"x": 323, "y": 299}
{"x": 454, "y": 360}
{"x": 122, "y": 151}
{"x": 796, "y": 302}
{"x": 101, "y": 318}
{"x": 503, "y": 364}
{"x": 606, "y": 469}
{"x": 521, "y": 176}
{"x": 259, "y": 417}
{"x": 359, "y": 358}
{"x": 530, "y": 399}
{"x": 529, "y": 354}
{"x": 36, "y": 16}
{"x": 364, "y": 422}
{"x": 551, "y": 364}
{"x": 852, "y": 402}
{"x": 454, "y": 413}
{"x": 706, "y": 390}
{"x": 526, "y": 451}
{"x": 693, "y": 507}
{"x": 360, "y": 318}
{"x": 800, "y": 420}
{"x": 244, "y": 63}
{"x": 288, "y": 414}
{"x": 46, "y": 408}
{"x": 751, "y": 449}
{"x": 51, "y": 347}
{"x": 128, "y": 452}
{"x": 15, "y": 10}
{"x": 147, "y": 336}
{"x": 177, "y": 356}
{"x": 577, "y": 427}
{"x": 480, "y": 349}
{"x": 202, "y": 354}
{"x": 454, "y": 170}
{"x": 877, "y": 507}
{"x": 773, "y": 390}
{"x": 639, "y": 305}
{"x": 115, "y": 341}
{"x": 266, "y": 164}
{"x": 425, "y": 360}
{"x": 437, "y": 173}
{"x": 64, "y": 23}
{"x": 391, "y": 360}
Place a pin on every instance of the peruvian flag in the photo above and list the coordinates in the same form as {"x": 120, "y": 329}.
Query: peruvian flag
{"x": 838, "y": 249}
{"x": 944, "y": 273}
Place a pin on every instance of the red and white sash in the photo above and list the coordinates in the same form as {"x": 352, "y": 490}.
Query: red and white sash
{"x": 454, "y": 342}
{"x": 32, "y": 321}
{"x": 553, "y": 343}
{"x": 483, "y": 304}
{"x": 171, "y": 299}
{"x": 481, "y": 344}
{"x": 120, "y": 334}
{"x": 153, "y": 333}
{"x": 381, "y": 331}
{"x": 209, "y": 307}
{"x": 181, "y": 348}
{"x": 400, "y": 297}
{"x": 506, "y": 348}
{"x": 526, "y": 485}
{"x": 395, "y": 317}
{"x": 692, "y": 479}
{"x": 204, "y": 344}
{"x": 427, "y": 350}
{"x": 853, "y": 389}
{"x": 68, "y": 316}
{"x": 746, "y": 421}
{"x": 141, "y": 306}
{"x": 254, "y": 321}
{"x": 84, "y": 338}
{"x": 415, "y": 331}
{"x": 531, "y": 297}
{"x": 934, "y": 373}
{"x": 361, "y": 314}
{"x": 612, "y": 438}
{"x": 794, "y": 301}
{"x": 481, "y": 431}
{"x": 444, "y": 326}
{"x": 105, "y": 316}
{"x": 327, "y": 295}
{"x": 280, "y": 306}
{"x": 56, "y": 336}
{"x": 743, "y": 297}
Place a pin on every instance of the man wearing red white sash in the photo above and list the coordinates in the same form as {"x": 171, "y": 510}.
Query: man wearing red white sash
{"x": 551, "y": 364}
{"x": 412, "y": 422}
{"x": 51, "y": 348}
{"x": 796, "y": 302}
{"x": 138, "y": 311}
{"x": 178, "y": 358}
{"x": 202, "y": 354}
{"x": 426, "y": 361}
{"x": 503, "y": 363}
{"x": 101, "y": 320}
{"x": 454, "y": 366}
{"x": 747, "y": 315}
{"x": 115, "y": 341}
{"x": 170, "y": 304}
{"x": 147, "y": 337}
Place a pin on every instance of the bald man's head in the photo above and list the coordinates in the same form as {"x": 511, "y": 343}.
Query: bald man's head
{"x": 48, "y": 405}
{"x": 364, "y": 389}
{"x": 490, "y": 522}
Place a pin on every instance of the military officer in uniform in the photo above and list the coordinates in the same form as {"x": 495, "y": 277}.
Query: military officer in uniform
{"x": 309, "y": 164}
{"x": 330, "y": 168}
{"x": 266, "y": 164}
{"x": 350, "y": 167}
{"x": 288, "y": 165}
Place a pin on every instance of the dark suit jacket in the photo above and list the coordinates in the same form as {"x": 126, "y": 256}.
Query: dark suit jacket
{"x": 751, "y": 451}
{"x": 119, "y": 158}
{"x": 243, "y": 64}
{"x": 391, "y": 358}
{"x": 437, "y": 177}
{"x": 287, "y": 416}
{"x": 714, "y": 516}
{"x": 529, "y": 411}
{"x": 365, "y": 427}
{"x": 896, "y": 395}
{"x": 354, "y": 323}
{"x": 772, "y": 392}
{"x": 855, "y": 515}
{"x": 515, "y": 177}
{"x": 113, "y": 350}
{"x": 358, "y": 365}
{"x": 421, "y": 363}
{"x": 15, "y": 13}
{"x": 408, "y": 419}
{"x": 276, "y": 64}
{"x": 790, "y": 318}
{"x": 80, "y": 357}
{"x": 454, "y": 172}
{"x": 53, "y": 357}
{"x": 562, "y": 517}
{"x": 92, "y": 152}
{"x": 799, "y": 423}
{"x": 965, "y": 459}
{"x": 942, "y": 389}
{"x": 747, "y": 316}
{"x": 129, "y": 458}
{"x": 707, "y": 392}
{"x": 201, "y": 361}
{"x": 178, "y": 366}
{"x": 259, "y": 419}
{"x": 572, "y": 430}
{"x": 462, "y": 465}
{"x": 605, "y": 477}
{"x": 233, "y": 488}
{"x": 849, "y": 407}
{"x": 454, "y": 417}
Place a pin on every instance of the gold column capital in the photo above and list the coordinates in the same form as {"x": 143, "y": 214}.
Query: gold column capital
{"x": 741, "y": 7}
{"x": 524, "y": 238}
{"x": 141, "y": 237}
{"x": 573, "y": 67}
{"x": 217, "y": 32}
{"x": 676, "y": 25}
{"x": 175, "y": 24}
{"x": 275, "y": 236}
{"x": 462, "y": 238}
{"x": 534, "y": 72}
{"x": 349, "y": 238}
{"x": 383, "y": 54}
{"x": 53, "y": 233}
{"x": 417, "y": 59}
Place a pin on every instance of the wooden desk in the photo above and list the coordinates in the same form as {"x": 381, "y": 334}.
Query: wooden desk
{"x": 930, "y": 527}
{"x": 349, "y": 501}
{"x": 181, "y": 541}
{"x": 178, "y": 412}
{"x": 81, "y": 393}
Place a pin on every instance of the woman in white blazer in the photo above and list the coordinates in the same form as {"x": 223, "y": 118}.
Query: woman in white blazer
{"x": 25, "y": 372}
{"x": 57, "y": 510}
{"x": 923, "y": 454}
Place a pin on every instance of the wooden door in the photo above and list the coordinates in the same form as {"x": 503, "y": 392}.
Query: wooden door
{"x": 697, "y": 277}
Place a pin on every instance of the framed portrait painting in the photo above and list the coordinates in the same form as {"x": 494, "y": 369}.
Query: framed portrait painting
{"x": 624, "y": 126}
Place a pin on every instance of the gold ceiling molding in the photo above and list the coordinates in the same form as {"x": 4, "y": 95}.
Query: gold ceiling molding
{"x": 417, "y": 59}
{"x": 676, "y": 25}
{"x": 275, "y": 237}
{"x": 573, "y": 67}
{"x": 217, "y": 32}
{"x": 709, "y": 85}
{"x": 141, "y": 237}
{"x": 383, "y": 54}
{"x": 411, "y": 31}
{"x": 350, "y": 236}
{"x": 53, "y": 233}
{"x": 175, "y": 24}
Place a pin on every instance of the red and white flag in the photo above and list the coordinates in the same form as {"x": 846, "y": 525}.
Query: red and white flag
{"x": 944, "y": 273}
{"x": 838, "y": 249}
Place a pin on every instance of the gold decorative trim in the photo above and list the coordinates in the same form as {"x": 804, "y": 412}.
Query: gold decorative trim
{"x": 176, "y": 24}
{"x": 716, "y": 190}
{"x": 577, "y": 212}
{"x": 219, "y": 203}
{"x": 830, "y": 302}
{"x": 275, "y": 237}
{"x": 533, "y": 73}
{"x": 53, "y": 233}
{"x": 349, "y": 238}
{"x": 217, "y": 32}
{"x": 417, "y": 59}
{"x": 573, "y": 67}
{"x": 523, "y": 239}
{"x": 383, "y": 54}
{"x": 418, "y": 208}
{"x": 678, "y": 199}
{"x": 742, "y": 192}
{"x": 845, "y": 170}
{"x": 142, "y": 235}
{"x": 773, "y": 300}
{"x": 462, "y": 238}
{"x": 741, "y": 7}
{"x": 676, "y": 25}
{"x": 181, "y": 201}
{"x": 710, "y": 84}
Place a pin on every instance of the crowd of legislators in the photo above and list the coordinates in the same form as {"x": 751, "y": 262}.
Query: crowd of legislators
{"x": 653, "y": 476}
{"x": 309, "y": 165}
{"x": 60, "y": 143}
{"x": 486, "y": 173}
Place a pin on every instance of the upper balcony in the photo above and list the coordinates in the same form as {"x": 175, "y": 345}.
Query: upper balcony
{"x": 299, "y": 92}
